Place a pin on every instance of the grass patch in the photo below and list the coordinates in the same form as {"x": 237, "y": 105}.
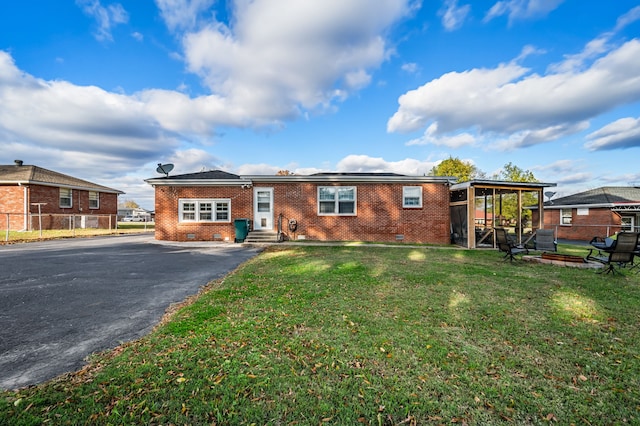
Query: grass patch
{"x": 50, "y": 234}
{"x": 370, "y": 335}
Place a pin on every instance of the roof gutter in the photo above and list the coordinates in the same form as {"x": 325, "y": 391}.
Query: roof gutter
{"x": 62, "y": 185}
{"x": 579, "y": 206}
{"x": 250, "y": 180}
{"x": 352, "y": 179}
{"x": 198, "y": 182}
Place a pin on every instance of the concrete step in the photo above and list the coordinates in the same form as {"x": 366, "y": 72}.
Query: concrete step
{"x": 262, "y": 237}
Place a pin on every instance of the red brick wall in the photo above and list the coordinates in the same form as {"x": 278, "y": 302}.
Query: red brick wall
{"x": 167, "y": 226}
{"x": 380, "y": 215}
{"x": 599, "y": 222}
{"x": 12, "y": 201}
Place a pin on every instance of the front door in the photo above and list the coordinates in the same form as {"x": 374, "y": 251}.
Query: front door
{"x": 262, "y": 208}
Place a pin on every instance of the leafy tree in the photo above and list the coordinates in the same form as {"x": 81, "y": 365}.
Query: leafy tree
{"x": 129, "y": 204}
{"x": 454, "y": 167}
{"x": 284, "y": 173}
{"x": 512, "y": 173}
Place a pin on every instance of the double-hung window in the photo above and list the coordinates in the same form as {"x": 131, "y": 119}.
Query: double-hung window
{"x": 412, "y": 197}
{"x": 565, "y": 216}
{"x": 204, "y": 210}
{"x": 66, "y": 197}
{"x": 337, "y": 200}
{"x": 94, "y": 200}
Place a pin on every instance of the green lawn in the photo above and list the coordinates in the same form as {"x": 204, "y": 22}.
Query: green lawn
{"x": 48, "y": 234}
{"x": 308, "y": 335}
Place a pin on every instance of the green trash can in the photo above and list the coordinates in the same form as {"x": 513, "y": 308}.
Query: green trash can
{"x": 242, "y": 229}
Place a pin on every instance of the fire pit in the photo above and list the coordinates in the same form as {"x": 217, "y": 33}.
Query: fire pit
{"x": 563, "y": 257}
{"x": 563, "y": 260}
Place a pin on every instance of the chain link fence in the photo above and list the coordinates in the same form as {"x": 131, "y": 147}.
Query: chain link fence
{"x": 17, "y": 225}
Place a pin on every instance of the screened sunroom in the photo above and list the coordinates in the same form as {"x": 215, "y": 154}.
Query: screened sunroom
{"x": 477, "y": 207}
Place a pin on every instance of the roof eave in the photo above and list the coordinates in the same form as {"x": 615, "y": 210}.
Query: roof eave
{"x": 197, "y": 182}
{"x": 589, "y": 206}
{"x": 103, "y": 189}
{"x": 505, "y": 184}
{"x": 255, "y": 179}
{"x": 350, "y": 179}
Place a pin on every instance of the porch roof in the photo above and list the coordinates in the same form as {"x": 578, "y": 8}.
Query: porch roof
{"x": 500, "y": 184}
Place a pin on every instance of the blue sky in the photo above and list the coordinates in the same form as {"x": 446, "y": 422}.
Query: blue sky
{"x": 106, "y": 90}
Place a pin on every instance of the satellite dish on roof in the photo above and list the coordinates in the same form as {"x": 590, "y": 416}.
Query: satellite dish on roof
{"x": 549, "y": 195}
{"x": 164, "y": 168}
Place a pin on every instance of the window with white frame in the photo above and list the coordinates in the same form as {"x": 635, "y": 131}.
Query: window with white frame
{"x": 94, "y": 200}
{"x": 337, "y": 200}
{"x": 412, "y": 196}
{"x": 565, "y": 216}
{"x": 66, "y": 199}
{"x": 627, "y": 223}
{"x": 204, "y": 210}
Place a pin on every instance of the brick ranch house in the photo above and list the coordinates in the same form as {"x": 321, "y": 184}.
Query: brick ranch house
{"x": 24, "y": 189}
{"x": 598, "y": 212}
{"x": 325, "y": 206}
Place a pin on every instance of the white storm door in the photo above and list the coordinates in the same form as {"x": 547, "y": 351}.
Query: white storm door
{"x": 262, "y": 208}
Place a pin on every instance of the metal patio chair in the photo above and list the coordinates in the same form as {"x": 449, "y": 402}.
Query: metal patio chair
{"x": 620, "y": 252}
{"x": 510, "y": 250}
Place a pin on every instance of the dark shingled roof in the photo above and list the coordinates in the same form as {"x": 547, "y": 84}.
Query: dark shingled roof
{"x": 602, "y": 195}
{"x": 37, "y": 175}
{"x": 355, "y": 174}
{"x": 210, "y": 174}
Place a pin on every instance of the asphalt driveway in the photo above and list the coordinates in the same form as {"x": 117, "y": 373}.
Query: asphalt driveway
{"x": 62, "y": 300}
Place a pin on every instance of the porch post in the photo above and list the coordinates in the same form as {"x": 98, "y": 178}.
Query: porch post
{"x": 519, "y": 217}
{"x": 540, "y": 209}
{"x": 471, "y": 217}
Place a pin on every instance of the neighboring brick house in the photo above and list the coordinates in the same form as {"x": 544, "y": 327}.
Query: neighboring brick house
{"x": 598, "y": 212}
{"x": 325, "y": 206}
{"x": 24, "y": 189}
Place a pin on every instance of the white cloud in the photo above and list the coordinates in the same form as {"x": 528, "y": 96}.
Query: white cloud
{"x": 278, "y": 57}
{"x": 192, "y": 160}
{"x": 366, "y": 164}
{"x": 430, "y": 137}
{"x": 510, "y": 100}
{"x": 272, "y": 62}
{"x": 410, "y": 67}
{"x": 182, "y": 14}
{"x": 453, "y": 16}
{"x": 522, "y": 9}
{"x": 105, "y": 132}
{"x": 527, "y": 138}
{"x": 106, "y": 17}
{"x": 628, "y": 18}
{"x": 596, "y": 47}
{"x": 622, "y": 133}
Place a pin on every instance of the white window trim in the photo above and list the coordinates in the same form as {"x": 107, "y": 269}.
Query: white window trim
{"x": 97, "y": 199}
{"x": 562, "y": 217}
{"x": 70, "y": 198}
{"x": 197, "y": 201}
{"x": 406, "y": 189}
{"x": 337, "y": 201}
